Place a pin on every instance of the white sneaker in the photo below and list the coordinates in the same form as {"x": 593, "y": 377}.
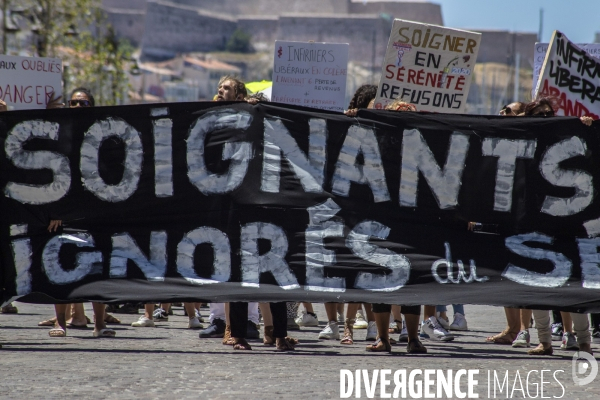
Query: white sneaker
{"x": 194, "y": 323}
{"x": 371, "y": 331}
{"x": 143, "y": 322}
{"x": 459, "y": 323}
{"x": 306, "y": 319}
{"x": 331, "y": 331}
{"x": 431, "y": 329}
{"x": 360, "y": 322}
{"x": 445, "y": 323}
{"x": 522, "y": 340}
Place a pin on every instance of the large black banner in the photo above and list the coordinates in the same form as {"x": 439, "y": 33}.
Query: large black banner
{"x": 237, "y": 202}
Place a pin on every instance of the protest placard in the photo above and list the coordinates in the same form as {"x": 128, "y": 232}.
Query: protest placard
{"x": 570, "y": 74}
{"x": 429, "y": 66}
{"x": 28, "y": 82}
{"x": 593, "y": 49}
{"x": 310, "y": 74}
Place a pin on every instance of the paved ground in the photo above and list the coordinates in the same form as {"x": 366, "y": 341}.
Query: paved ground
{"x": 170, "y": 362}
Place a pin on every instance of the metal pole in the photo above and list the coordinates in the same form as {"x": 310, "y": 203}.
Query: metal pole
{"x": 541, "y": 25}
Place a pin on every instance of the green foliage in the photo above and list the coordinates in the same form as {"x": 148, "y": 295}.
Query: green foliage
{"x": 77, "y": 32}
{"x": 239, "y": 42}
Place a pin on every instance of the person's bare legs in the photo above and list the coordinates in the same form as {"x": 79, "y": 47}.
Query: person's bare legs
{"x": 369, "y": 312}
{"x": 526, "y": 318}
{"x": 513, "y": 320}
{"x": 189, "y": 309}
{"x": 567, "y": 321}
{"x": 412, "y": 325}
{"x": 351, "y": 310}
{"x": 331, "y": 310}
{"x": 308, "y": 307}
{"x": 99, "y": 310}
{"x": 61, "y": 320}
{"x": 77, "y": 315}
{"x": 149, "y": 310}
{"x": 340, "y": 310}
{"x": 428, "y": 311}
{"x": 382, "y": 321}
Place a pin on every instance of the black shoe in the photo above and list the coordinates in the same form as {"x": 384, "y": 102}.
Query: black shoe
{"x": 128, "y": 308}
{"x": 252, "y": 331}
{"x": 596, "y": 335}
{"x": 215, "y": 330}
{"x": 557, "y": 331}
{"x": 415, "y": 346}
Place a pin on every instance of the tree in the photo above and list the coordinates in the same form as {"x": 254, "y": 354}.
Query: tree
{"x": 77, "y": 32}
{"x": 239, "y": 42}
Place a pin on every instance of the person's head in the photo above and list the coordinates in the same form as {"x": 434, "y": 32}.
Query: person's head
{"x": 544, "y": 106}
{"x": 363, "y": 95}
{"x": 81, "y": 97}
{"x": 512, "y": 109}
{"x": 400, "y": 105}
{"x": 231, "y": 89}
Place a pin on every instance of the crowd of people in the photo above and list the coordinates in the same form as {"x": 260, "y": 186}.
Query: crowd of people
{"x": 236, "y": 322}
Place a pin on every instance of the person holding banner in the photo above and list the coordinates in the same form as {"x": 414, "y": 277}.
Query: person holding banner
{"x": 412, "y": 314}
{"x": 80, "y": 97}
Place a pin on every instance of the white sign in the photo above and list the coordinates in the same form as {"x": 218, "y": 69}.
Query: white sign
{"x": 27, "y": 82}
{"x": 572, "y": 76}
{"x": 429, "y": 66}
{"x": 593, "y": 49}
{"x": 310, "y": 74}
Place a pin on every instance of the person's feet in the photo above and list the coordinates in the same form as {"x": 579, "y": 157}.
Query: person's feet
{"x": 216, "y": 329}
{"x": 143, "y": 322}
{"x": 284, "y": 344}
{"x": 241, "y": 344}
{"x": 522, "y": 340}
{"x": 331, "y": 331}
{"x": 459, "y": 323}
{"x": 543, "y": 349}
{"x": 415, "y": 346}
{"x": 380, "y": 346}
{"x": 48, "y": 322}
{"x": 569, "y": 342}
{"x": 504, "y": 337}
{"x": 9, "y": 309}
{"x": 432, "y": 330}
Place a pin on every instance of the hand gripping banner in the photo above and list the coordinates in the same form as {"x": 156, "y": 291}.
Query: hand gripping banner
{"x": 234, "y": 202}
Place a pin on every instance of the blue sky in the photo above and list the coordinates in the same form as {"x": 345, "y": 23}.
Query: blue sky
{"x": 578, "y": 19}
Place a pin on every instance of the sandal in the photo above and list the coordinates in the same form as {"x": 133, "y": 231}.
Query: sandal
{"x": 57, "y": 332}
{"x": 9, "y": 309}
{"x": 48, "y": 322}
{"x": 541, "y": 351}
{"x": 348, "y": 332}
{"x": 380, "y": 346}
{"x": 284, "y": 345}
{"x": 268, "y": 339}
{"x": 104, "y": 333}
{"x": 504, "y": 337}
{"x": 109, "y": 319}
{"x": 292, "y": 340}
{"x": 241, "y": 344}
{"x": 397, "y": 327}
{"x": 227, "y": 339}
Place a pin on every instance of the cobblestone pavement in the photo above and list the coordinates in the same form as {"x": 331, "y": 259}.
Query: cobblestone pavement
{"x": 171, "y": 362}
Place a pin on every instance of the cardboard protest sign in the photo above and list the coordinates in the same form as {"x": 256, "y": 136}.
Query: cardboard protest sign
{"x": 429, "y": 66}
{"x": 310, "y": 74}
{"x": 28, "y": 82}
{"x": 573, "y": 76}
{"x": 593, "y": 49}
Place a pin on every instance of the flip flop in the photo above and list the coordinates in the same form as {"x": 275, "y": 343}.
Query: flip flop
{"x": 104, "y": 333}
{"x": 57, "y": 332}
{"x": 109, "y": 319}
{"x": 501, "y": 338}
